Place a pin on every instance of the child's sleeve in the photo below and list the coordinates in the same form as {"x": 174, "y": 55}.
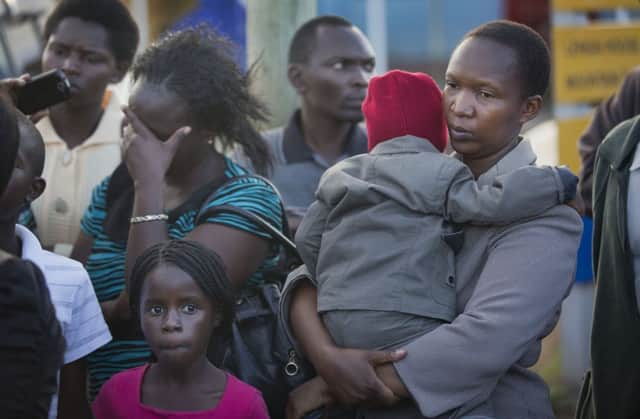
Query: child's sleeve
{"x": 523, "y": 193}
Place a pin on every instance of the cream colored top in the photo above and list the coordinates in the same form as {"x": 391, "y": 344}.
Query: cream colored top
{"x": 71, "y": 176}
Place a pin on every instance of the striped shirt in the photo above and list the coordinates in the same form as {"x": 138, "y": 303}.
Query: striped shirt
{"x": 74, "y": 299}
{"x": 107, "y": 259}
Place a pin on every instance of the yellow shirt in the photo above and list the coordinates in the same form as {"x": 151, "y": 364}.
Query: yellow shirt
{"x": 71, "y": 176}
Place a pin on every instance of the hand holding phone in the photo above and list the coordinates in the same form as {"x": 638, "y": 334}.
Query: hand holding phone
{"x": 42, "y": 91}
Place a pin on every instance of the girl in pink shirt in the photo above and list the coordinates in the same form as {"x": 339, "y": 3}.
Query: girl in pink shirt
{"x": 180, "y": 291}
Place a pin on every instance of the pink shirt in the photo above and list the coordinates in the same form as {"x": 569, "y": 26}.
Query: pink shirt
{"x": 119, "y": 398}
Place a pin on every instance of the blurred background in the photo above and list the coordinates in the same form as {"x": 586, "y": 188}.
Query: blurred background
{"x": 593, "y": 43}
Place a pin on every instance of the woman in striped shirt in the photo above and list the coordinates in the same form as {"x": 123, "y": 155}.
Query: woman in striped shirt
{"x": 187, "y": 92}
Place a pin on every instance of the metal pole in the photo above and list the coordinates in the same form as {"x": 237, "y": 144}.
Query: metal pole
{"x": 270, "y": 27}
{"x": 377, "y": 30}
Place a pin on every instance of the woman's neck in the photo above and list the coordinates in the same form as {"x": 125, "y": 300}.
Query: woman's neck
{"x": 186, "y": 175}
{"x": 481, "y": 164}
{"x": 75, "y": 124}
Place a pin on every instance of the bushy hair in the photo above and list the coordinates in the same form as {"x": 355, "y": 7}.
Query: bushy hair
{"x": 197, "y": 65}
{"x": 203, "y": 265}
{"x": 113, "y": 15}
{"x": 532, "y": 53}
{"x": 304, "y": 40}
{"x": 9, "y": 136}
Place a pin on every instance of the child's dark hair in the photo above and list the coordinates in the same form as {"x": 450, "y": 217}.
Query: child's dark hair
{"x": 532, "y": 53}
{"x": 203, "y": 265}
{"x": 113, "y": 15}
{"x": 197, "y": 65}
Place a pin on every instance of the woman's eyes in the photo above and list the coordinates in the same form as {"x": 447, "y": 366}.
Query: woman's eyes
{"x": 338, "y": 65}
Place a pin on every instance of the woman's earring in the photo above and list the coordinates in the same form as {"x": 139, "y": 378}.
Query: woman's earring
{"x": 210, "y": 141}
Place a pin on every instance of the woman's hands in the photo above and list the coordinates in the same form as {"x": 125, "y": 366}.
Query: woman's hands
{"x": 147, "y": 157}
{"x": 351, "y": 376}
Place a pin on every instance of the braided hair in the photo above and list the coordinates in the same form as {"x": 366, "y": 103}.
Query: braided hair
{"x": 202, "y": 264}
{"x": 197, "y": 65}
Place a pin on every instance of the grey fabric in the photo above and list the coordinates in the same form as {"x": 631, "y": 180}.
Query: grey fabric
{"x": 374, "y": 236}
{"x": 369, "y": 329}
{"x": 511, "y": 282}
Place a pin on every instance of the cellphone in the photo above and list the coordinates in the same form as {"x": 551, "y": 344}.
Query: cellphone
{"x": 42, "y": 91}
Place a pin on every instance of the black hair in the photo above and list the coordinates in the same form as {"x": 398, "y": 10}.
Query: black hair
{"x": 113, "y": 15}
{"x": 202, "y": 264}
{"x": 197, "y": 65}
{"x": 532, "y": 53}
{"x": 35, "y": 145}
{"x": 304, "y": 39}
{"x": 9, "y": 136}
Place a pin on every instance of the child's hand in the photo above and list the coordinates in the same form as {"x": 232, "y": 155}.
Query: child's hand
{"x": 307, "y": 397}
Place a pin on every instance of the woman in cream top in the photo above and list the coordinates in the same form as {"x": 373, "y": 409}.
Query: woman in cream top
{"x": 72, "y": 174}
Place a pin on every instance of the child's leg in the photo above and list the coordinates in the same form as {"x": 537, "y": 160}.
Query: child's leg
{"x": 376, "y": 330}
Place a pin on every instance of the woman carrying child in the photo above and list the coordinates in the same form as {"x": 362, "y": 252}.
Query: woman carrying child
{"x": 510, "y": 280}
{"x": 187, "y": 93}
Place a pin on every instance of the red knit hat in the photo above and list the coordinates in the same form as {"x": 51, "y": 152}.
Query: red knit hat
{"x": 401, "y": 103}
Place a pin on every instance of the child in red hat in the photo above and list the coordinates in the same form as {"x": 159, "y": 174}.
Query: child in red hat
{"x": 381, "y": 237}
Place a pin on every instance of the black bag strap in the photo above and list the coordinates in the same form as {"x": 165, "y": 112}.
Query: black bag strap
{"x": 279, "y": 236}
{"x": 265, "y": 225}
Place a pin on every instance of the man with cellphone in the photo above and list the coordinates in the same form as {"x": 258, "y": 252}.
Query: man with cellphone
{"x": 330, "y": 64}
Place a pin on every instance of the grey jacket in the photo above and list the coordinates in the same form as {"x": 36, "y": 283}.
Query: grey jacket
{"x": 511, "y": 283}
{"x": 375, "y": 236}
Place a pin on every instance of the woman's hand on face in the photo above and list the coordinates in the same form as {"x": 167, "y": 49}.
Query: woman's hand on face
{"x": 351, "y": 376}
{"x": 147, "y": 157}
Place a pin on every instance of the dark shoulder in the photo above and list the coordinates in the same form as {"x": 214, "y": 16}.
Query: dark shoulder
{"x": 615, "y": 140}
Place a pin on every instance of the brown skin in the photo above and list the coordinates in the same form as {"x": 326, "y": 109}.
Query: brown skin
{"x": 332, "y": 86}
{"x": 483, "y": 104}
{"x": 81, "y": 49}
{"x": 177, "y": 320}
{"x": 485, "y": 109}
{"x": 168, "y": 160}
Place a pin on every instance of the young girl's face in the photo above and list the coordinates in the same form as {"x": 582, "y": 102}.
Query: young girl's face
{"x": 176, "y": 316}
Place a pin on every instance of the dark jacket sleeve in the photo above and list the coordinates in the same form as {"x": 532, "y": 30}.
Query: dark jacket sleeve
{"x": 31, "y": 341}
{"x": 624, "y": 104}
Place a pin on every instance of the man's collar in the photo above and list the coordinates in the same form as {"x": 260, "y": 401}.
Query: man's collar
{"x": 296, "y": 150}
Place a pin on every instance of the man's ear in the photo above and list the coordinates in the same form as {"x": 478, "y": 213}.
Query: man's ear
{"x": 295, "y": 73}
{"x": 37, "y": 188}
{"x": 530, "y": 108}
{"x": 120, "y": 71}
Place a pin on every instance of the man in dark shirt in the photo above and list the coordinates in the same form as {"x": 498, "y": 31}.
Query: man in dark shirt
{"x": 330, "y": 64}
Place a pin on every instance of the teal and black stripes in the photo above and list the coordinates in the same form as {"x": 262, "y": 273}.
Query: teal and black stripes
{"x": 106, "y": 262}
